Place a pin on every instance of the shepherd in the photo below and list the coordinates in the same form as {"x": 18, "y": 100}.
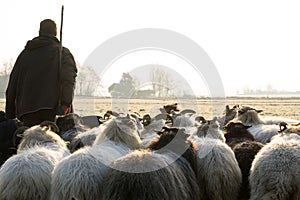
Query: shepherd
{"x": 42, "y": 82}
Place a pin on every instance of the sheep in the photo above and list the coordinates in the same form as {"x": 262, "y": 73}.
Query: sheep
{"x": 121, "y": 129}
{"x": 42, "y": 136}
{"x": 275, "y": 172}
{"x": 236, "y": 132}
{"x": 245, "y": 148}
{"x": 251, "y": 116}
{"x": 261, "y": 131}
{"x": 80, "y": 175}
{"x": 84, "y": 139}
{"x": 117, "y": 137}
{"x": 169, "y": 108}
{"x": 109, "y": 114}
{"x": 230, "y": 114}
{"x": 245, "y": 153}
{"x": 219, "y": 175}
{"x": 289, "y": 128}
{"x": 156, "y": 124}
{"x": 185, "y": 121}
{"x": 147, "y": 120}
{"x": 109, "y": 130}
{"x": 138, "y": 121}
{"x": 143, "y": 174}
{"x": 27, "y": 175}
{"x": 91, "y": 121}
{"x": 7, "y": 129}
{"x": 70, "y": 125}
{"x": 176, "y": 140}
{"x": 211, "y": 129}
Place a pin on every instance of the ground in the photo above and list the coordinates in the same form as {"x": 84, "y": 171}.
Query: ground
{"x": 284, "y": 107}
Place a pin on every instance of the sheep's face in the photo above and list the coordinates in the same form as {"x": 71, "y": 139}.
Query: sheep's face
{"x": 146, "y": 120}
{"x": 214, "y": 124}
{"x": 290, "y": 128}
{"x": 231, "y": 126}
{"x": 68, "y": 122}
{"x": 244, "y": 109}
{"x": 172, "y": 139}
{"x": 170, "y": 108}
{"x": 230, "y": 113}
{"x": 173, "y": 131}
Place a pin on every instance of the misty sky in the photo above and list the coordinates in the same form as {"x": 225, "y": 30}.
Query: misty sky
{"x": 251, "y": 43}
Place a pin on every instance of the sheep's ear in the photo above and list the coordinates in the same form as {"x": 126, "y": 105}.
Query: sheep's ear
{"x": 259, "y": 111}
{"x": 247, "y": 126}
{"x": 227, "y": 109}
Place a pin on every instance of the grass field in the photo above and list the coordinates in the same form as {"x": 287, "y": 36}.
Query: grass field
{"x": 284, "y": 107}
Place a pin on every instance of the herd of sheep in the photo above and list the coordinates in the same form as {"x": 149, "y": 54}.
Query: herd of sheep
{"x": 174, "y": 155}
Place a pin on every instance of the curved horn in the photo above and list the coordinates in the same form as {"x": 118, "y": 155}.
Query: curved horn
{"x": 164, "y": 116}
{"x": 187, "y": 111}
{"x": 50, "y": 125}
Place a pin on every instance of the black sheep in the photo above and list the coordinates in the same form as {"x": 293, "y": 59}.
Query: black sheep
{"x": 175, "y": 140}
{"x": 245, "y": 148}
{"x": 236, "y": 132}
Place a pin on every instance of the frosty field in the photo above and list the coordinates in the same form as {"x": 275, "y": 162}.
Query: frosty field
{"x": 284, "y": 107}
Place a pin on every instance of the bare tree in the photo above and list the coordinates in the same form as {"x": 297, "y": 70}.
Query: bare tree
{"x": 162, "y": 82}
{"x": 7, "y": 66}
{"x": 5, "y": 70}
{"x": 87, "y": 81}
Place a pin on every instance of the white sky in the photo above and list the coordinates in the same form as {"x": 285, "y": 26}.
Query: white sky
{"x": 252, "y": 43}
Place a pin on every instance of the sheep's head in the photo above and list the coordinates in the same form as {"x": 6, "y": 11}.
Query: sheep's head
{"x": 246, "y": 108}
{"x": 173, "y": 131}
{"x": 235, "y": 125}
{"x": 146, "y": 120}
{"x": 285, "y": 128}
{"x": 250, "y": 116}
{"x": 200, "y": 119}
{"x": 214, "y": 124}
{"x": 68, "y": 122}
{"x": 121, "y": 129}
{"x": 50, "y": 125}
{"x": 109, "y": 114}
{"x": 170, "y": 108}
{"x": 168, "y": 135}
{"x": 38, "y": 135}
{"x": 231, "y": 113}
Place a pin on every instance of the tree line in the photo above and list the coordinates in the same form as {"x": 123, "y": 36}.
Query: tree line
{"x": 88, "y": 83}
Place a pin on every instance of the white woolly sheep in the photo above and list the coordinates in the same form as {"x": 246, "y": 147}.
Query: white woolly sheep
{"x": 251, "y": 116}
{"x": 42, "y": 136}
{"x": 27, "y": 175}
{"x": 219, "y": 175}
{"x": 261, "y": 131}
{"x": 275, "y": 172}
{"x": 122, "y": 130}
{"x": 80, "y": 175}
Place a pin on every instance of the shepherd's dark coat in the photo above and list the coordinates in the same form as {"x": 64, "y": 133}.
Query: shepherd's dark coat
{"x": 34, "y": 81}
